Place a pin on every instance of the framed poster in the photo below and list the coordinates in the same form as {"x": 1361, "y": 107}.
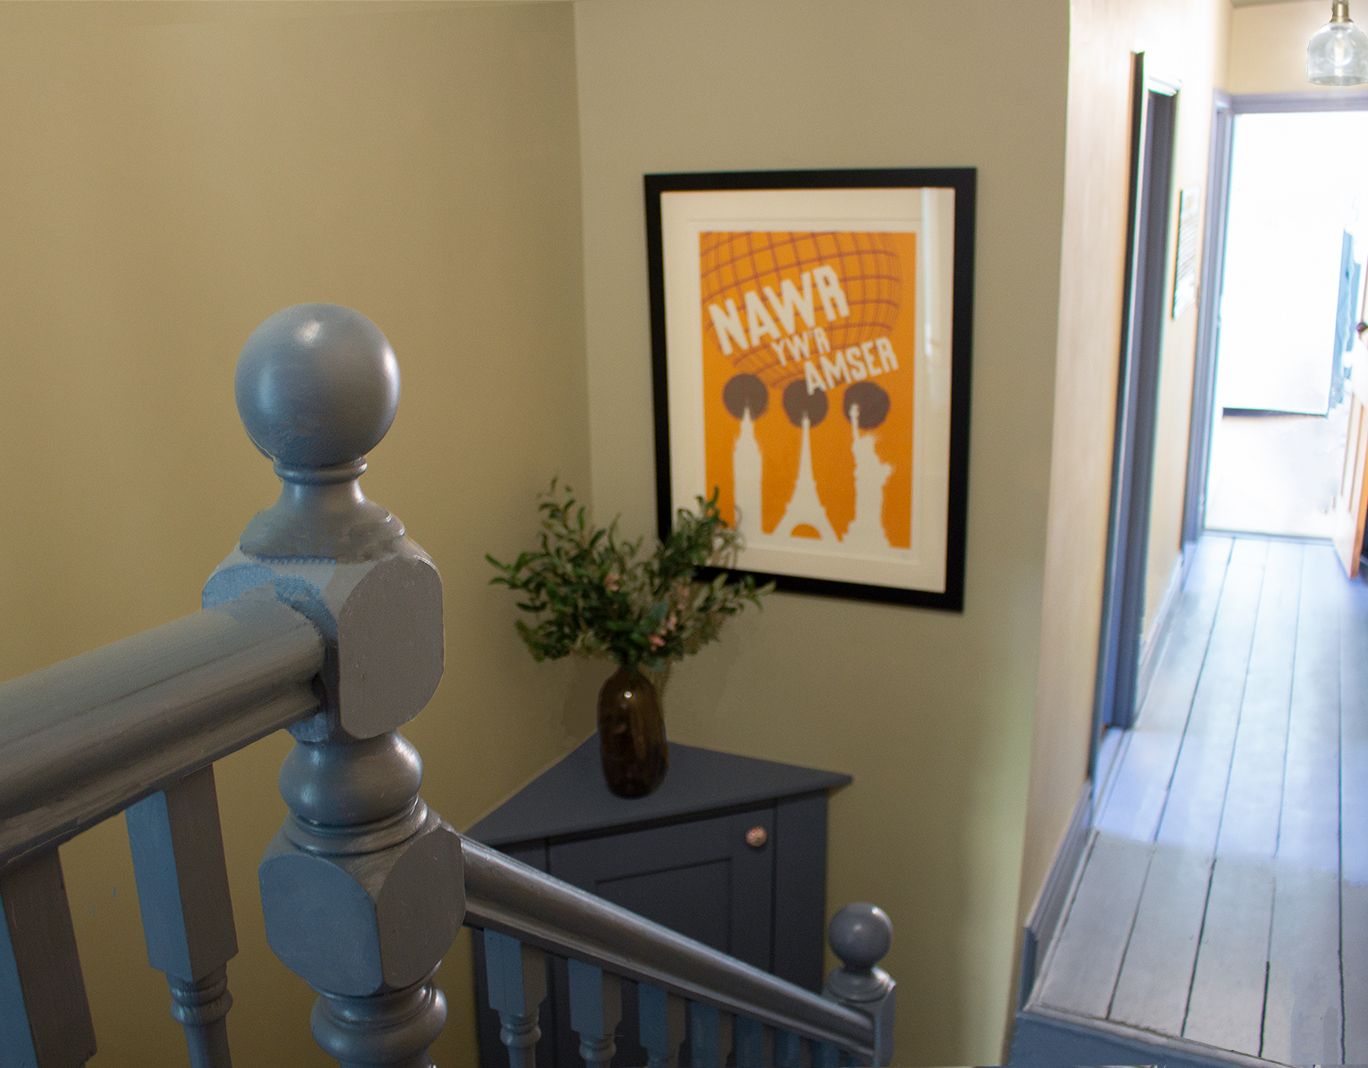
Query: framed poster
{"x": 810, "y": 334}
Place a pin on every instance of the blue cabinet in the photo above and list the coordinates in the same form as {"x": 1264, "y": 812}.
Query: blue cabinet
{"x": 730, "y": 850}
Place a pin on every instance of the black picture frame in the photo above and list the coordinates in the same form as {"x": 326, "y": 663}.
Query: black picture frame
{"x": 752, "y": 276}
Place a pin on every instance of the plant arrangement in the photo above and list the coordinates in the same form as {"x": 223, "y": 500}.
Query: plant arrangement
{"x": 589, "y": 591}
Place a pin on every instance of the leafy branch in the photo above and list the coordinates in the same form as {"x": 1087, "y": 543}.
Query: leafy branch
{"x": 589, "y": 591}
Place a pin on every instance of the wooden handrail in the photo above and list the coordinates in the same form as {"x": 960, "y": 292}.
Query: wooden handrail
{"x": 511, "y": 898}
{"x": 86, "y": 738}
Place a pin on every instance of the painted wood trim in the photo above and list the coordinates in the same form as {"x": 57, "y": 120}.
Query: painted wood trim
{"x": 1159, "y": 633}
{"x": 1051, "y": 902}
{"x": 1309, "y": 100}
{"x": 487, "y": 1023}
{"x": 661, "y": 1025}
{"x": 800, "y": 862}
{"x": 1107, "y": 760}
{"x": 187, "y": 914}
{"x": 503, "y": 895}
{"x": 86, "y": 738}
{"x": 555, "y": 806}
{"x": 44, "y": 1015}
{"x": 1204, "y": 366}
{"x": 1351, "y": 503}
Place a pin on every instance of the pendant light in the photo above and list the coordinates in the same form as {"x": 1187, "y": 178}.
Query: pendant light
{"x": 1338, "y": 52}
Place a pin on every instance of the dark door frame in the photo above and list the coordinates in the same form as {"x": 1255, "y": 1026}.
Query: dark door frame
{"x": 1153, "y": 125}
{"x": 1213, "y": 267}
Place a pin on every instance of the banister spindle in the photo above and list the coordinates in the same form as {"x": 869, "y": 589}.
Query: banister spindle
{"x": 44, "y": 1018}
{"x": 660, "y": 1016}
{"x": 825, "y": 1055}
{"x": 861, "y": 935}
{"x": 177, "y": 847}
{"x": 362, "y": 888}
{"x": 788, "y": 1050}
{"x": 709, "y": 1034}
{"x": 750, "y": 1044}
{"x": 516, "y": 976}
{"x": 595, "y": 1012}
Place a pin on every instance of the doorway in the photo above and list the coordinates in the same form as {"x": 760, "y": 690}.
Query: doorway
{"x": 1283, "y": 295}
{"x": 1291, "y": 295}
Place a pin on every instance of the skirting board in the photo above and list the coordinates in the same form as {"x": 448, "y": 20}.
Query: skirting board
{"x": 1054, "y": 895}
{"x": 1149, "y": 654}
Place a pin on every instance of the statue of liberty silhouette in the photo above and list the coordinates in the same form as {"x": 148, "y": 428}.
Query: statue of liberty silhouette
{"x": 866, "y": 406}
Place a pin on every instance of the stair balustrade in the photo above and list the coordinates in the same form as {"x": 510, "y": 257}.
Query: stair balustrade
{"x": 327, "y": 621}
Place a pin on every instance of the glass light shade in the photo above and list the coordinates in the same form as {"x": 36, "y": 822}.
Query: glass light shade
{"x": 1338, "y": 52}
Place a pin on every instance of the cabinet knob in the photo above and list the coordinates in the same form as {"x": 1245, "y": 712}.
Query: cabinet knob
{"x": 756, "y": 837}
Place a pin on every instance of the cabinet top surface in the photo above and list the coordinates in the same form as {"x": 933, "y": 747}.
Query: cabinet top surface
{"x": 570, "y": 798}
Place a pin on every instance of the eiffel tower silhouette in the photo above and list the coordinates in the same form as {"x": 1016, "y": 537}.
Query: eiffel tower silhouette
{"x": 805, "y": 507}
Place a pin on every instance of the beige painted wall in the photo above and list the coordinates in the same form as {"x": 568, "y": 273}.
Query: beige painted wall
{"x": 1184, "y": 41}
{"x": 1268, "y": 46}
{"x": 931, "y": 712}
{"x": 170, "y": 176}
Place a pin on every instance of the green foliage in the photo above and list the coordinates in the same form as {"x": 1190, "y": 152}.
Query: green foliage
{"x": 589, "y": 591}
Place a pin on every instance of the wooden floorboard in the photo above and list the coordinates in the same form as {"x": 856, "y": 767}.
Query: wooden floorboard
{"x": 1221, "y": 902}
{"x": 1302, "y": 1021}
{"x": 1249, "y": 821}
{"x": 1044, "y": 1038}
{"x": 1152, "y": 989}
{"x": 1136, "y": 798}
{"x": 1081, "y": 969}
{"x": 1354, "y": 959}
{"x": 1226, "y": 1001}
{"x": 1226, "y": 1005}
{"x": 1191, "y": 816}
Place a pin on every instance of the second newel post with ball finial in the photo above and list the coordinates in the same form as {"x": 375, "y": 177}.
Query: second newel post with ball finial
{"x": 362, "y": 888}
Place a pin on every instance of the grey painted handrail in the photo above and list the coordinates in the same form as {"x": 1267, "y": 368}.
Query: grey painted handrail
{"x": 87, "y": 737}
{"x": 509, "y": 897}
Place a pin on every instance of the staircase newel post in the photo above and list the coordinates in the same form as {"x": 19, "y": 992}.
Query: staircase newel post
{"x": 861, "y": 935}
{"x": 362, "y": 888}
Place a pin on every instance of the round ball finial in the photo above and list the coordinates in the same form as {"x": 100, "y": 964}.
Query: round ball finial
{"x": 861, "y": 935}
{"x": 317, "y": 385}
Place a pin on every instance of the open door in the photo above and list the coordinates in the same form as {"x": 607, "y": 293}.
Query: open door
{"x": 1351, "y": 505}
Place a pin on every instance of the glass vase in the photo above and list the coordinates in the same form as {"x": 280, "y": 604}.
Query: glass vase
{"x": 631, "y": 734}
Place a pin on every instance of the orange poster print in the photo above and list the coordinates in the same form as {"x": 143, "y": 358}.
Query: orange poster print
{"x": 808, "y": 364}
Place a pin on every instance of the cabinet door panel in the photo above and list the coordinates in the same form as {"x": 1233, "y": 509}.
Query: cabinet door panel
{"x": 699, "y": 878}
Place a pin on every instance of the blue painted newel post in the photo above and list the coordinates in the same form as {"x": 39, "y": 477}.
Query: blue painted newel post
{"x": 861, "y": 935}
{"x": 362, "y": 889}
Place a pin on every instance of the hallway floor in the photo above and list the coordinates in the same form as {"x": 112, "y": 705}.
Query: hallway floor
{"x": 1276, "y": 473}
{"x": 1224, "y": 898}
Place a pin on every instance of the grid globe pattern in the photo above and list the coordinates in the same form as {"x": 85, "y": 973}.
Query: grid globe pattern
{"x": 867, "y": 264}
